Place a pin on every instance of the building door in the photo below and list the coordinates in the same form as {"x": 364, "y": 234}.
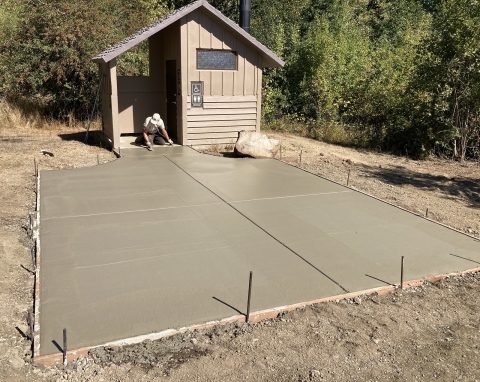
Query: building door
{"x": 171, "y": 82}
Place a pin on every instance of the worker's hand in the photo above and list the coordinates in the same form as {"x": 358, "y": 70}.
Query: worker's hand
{"x": 170, "y": 142}
{"x": 149, "y": 146}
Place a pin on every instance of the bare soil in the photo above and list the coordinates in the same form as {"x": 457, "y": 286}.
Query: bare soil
{"x": 430, "y": 332}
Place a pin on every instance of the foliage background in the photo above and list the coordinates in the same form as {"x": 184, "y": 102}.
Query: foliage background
{"x": 402, "y": 76}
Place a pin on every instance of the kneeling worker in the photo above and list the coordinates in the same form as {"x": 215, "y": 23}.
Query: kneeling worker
{"x": 154, "y": 132}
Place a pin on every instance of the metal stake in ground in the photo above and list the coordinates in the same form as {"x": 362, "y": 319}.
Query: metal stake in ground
{"x": 249, "y": 296}
{"x": 34, "y": 262}
{"x": 36, "y": 188}
{"x": 348, "y": 177}
{"x": 98, "y": 159}
{"x": 35, "y": 171}
{"x": 280, "y": 152}
{"x": 300, "y": 159}
{"x": 65, "y": 347}
{"x": 31, "y": 324}
{"x": 426, "y": 213}
{"x": 401, "y": 274}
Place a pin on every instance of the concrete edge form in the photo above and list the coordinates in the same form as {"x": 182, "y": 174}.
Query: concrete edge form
{"x": 382, "y": 200}
{"x": 57, "y": 358}
{"x": 36, "y": 290}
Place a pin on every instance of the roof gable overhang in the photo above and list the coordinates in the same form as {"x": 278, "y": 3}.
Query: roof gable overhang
{"x": 270, "y": 59}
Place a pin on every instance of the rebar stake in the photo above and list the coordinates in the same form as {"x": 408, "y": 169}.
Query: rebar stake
{"x": 36, "y": 189}
{"x": 98, "y": 159}
{"x": 401, "y": 274}
{"x": 426, "y": 213}
{"x": 280, "y": 152}
{"x": 300, "y": 159}
{"x": 35, "y": 171}
{"x": 31, "y": 324}
{"x": 249, "y": 296}
{"x": 348, "y": 177}
{"x": 65, "y": 347}
{"x": 34, "y": 262}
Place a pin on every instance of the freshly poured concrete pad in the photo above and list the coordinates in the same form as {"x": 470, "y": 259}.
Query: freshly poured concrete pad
{"x": 164, "y": 239}
{"x": 138, "y": 246}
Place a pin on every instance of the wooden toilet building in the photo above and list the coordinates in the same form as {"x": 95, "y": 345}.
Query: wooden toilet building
{"x": 205, "y": 79}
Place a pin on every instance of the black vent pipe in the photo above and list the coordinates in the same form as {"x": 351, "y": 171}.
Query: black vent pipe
{"x": 245, "y": 9}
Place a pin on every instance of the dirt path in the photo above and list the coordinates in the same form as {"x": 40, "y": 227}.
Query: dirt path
{"x": 427, "y": 333}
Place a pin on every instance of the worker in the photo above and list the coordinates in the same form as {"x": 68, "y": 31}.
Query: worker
{"x": 154, "y": 131}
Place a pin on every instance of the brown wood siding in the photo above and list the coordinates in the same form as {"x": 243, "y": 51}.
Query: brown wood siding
{"x": 165, "y": 45}
{"x": 220, "y": 120}
{"x": 109, "y": 100}
{"x": 140, "y": 97}
{"x": 205, "y": 33}
{"x": 259, "y": 94}
{"x": 231, "y": 97}
{"x": 137, "y": 99}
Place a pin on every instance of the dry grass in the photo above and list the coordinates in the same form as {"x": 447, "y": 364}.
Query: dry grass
{"x": 20, "y": 116}
{"x": 334, "y": 132}
{"x": 216, "y": 149}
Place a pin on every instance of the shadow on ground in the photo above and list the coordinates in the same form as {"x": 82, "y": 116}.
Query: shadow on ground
{"x": 94, "y": 137}
{"x": 467, "y": 188}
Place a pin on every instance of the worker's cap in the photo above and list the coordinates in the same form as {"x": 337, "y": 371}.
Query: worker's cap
{"x": 156, "y": 118}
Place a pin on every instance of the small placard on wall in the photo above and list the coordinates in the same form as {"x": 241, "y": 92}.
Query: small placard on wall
{"x": 197, "y": 94}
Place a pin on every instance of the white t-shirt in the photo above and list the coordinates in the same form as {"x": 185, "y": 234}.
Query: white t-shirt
{"x": 152, "y": 127}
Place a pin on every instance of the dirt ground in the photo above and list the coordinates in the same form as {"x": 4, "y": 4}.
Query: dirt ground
{"x": 430, "y": 332}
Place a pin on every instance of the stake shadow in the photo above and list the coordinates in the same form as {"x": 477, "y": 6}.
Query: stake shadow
{"x": 226, "y": 304}
{"x": 57, "y": 346}
{"x": 383, "y": 281}
{"x": 28, "y": 270}
{"x": 464, "y": 258}
{"x": 22, "y": 333}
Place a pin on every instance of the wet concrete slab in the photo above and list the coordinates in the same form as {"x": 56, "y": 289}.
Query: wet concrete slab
{"x": 358, "y": 241}
{"x": 164, "y": 239}
{"x": 122, "y": 258}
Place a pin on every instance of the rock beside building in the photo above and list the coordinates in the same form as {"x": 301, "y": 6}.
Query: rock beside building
{"x": 256, "y": 145}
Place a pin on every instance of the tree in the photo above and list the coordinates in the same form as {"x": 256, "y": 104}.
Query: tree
{"x": 448, "y": 82}
{"x": 48, "y": 55}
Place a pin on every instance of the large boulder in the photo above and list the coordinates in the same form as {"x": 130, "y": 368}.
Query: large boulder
{"x": 257, "y": 145}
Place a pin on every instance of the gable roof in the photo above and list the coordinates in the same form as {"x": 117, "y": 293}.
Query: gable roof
{"x": 271, "y": 59}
